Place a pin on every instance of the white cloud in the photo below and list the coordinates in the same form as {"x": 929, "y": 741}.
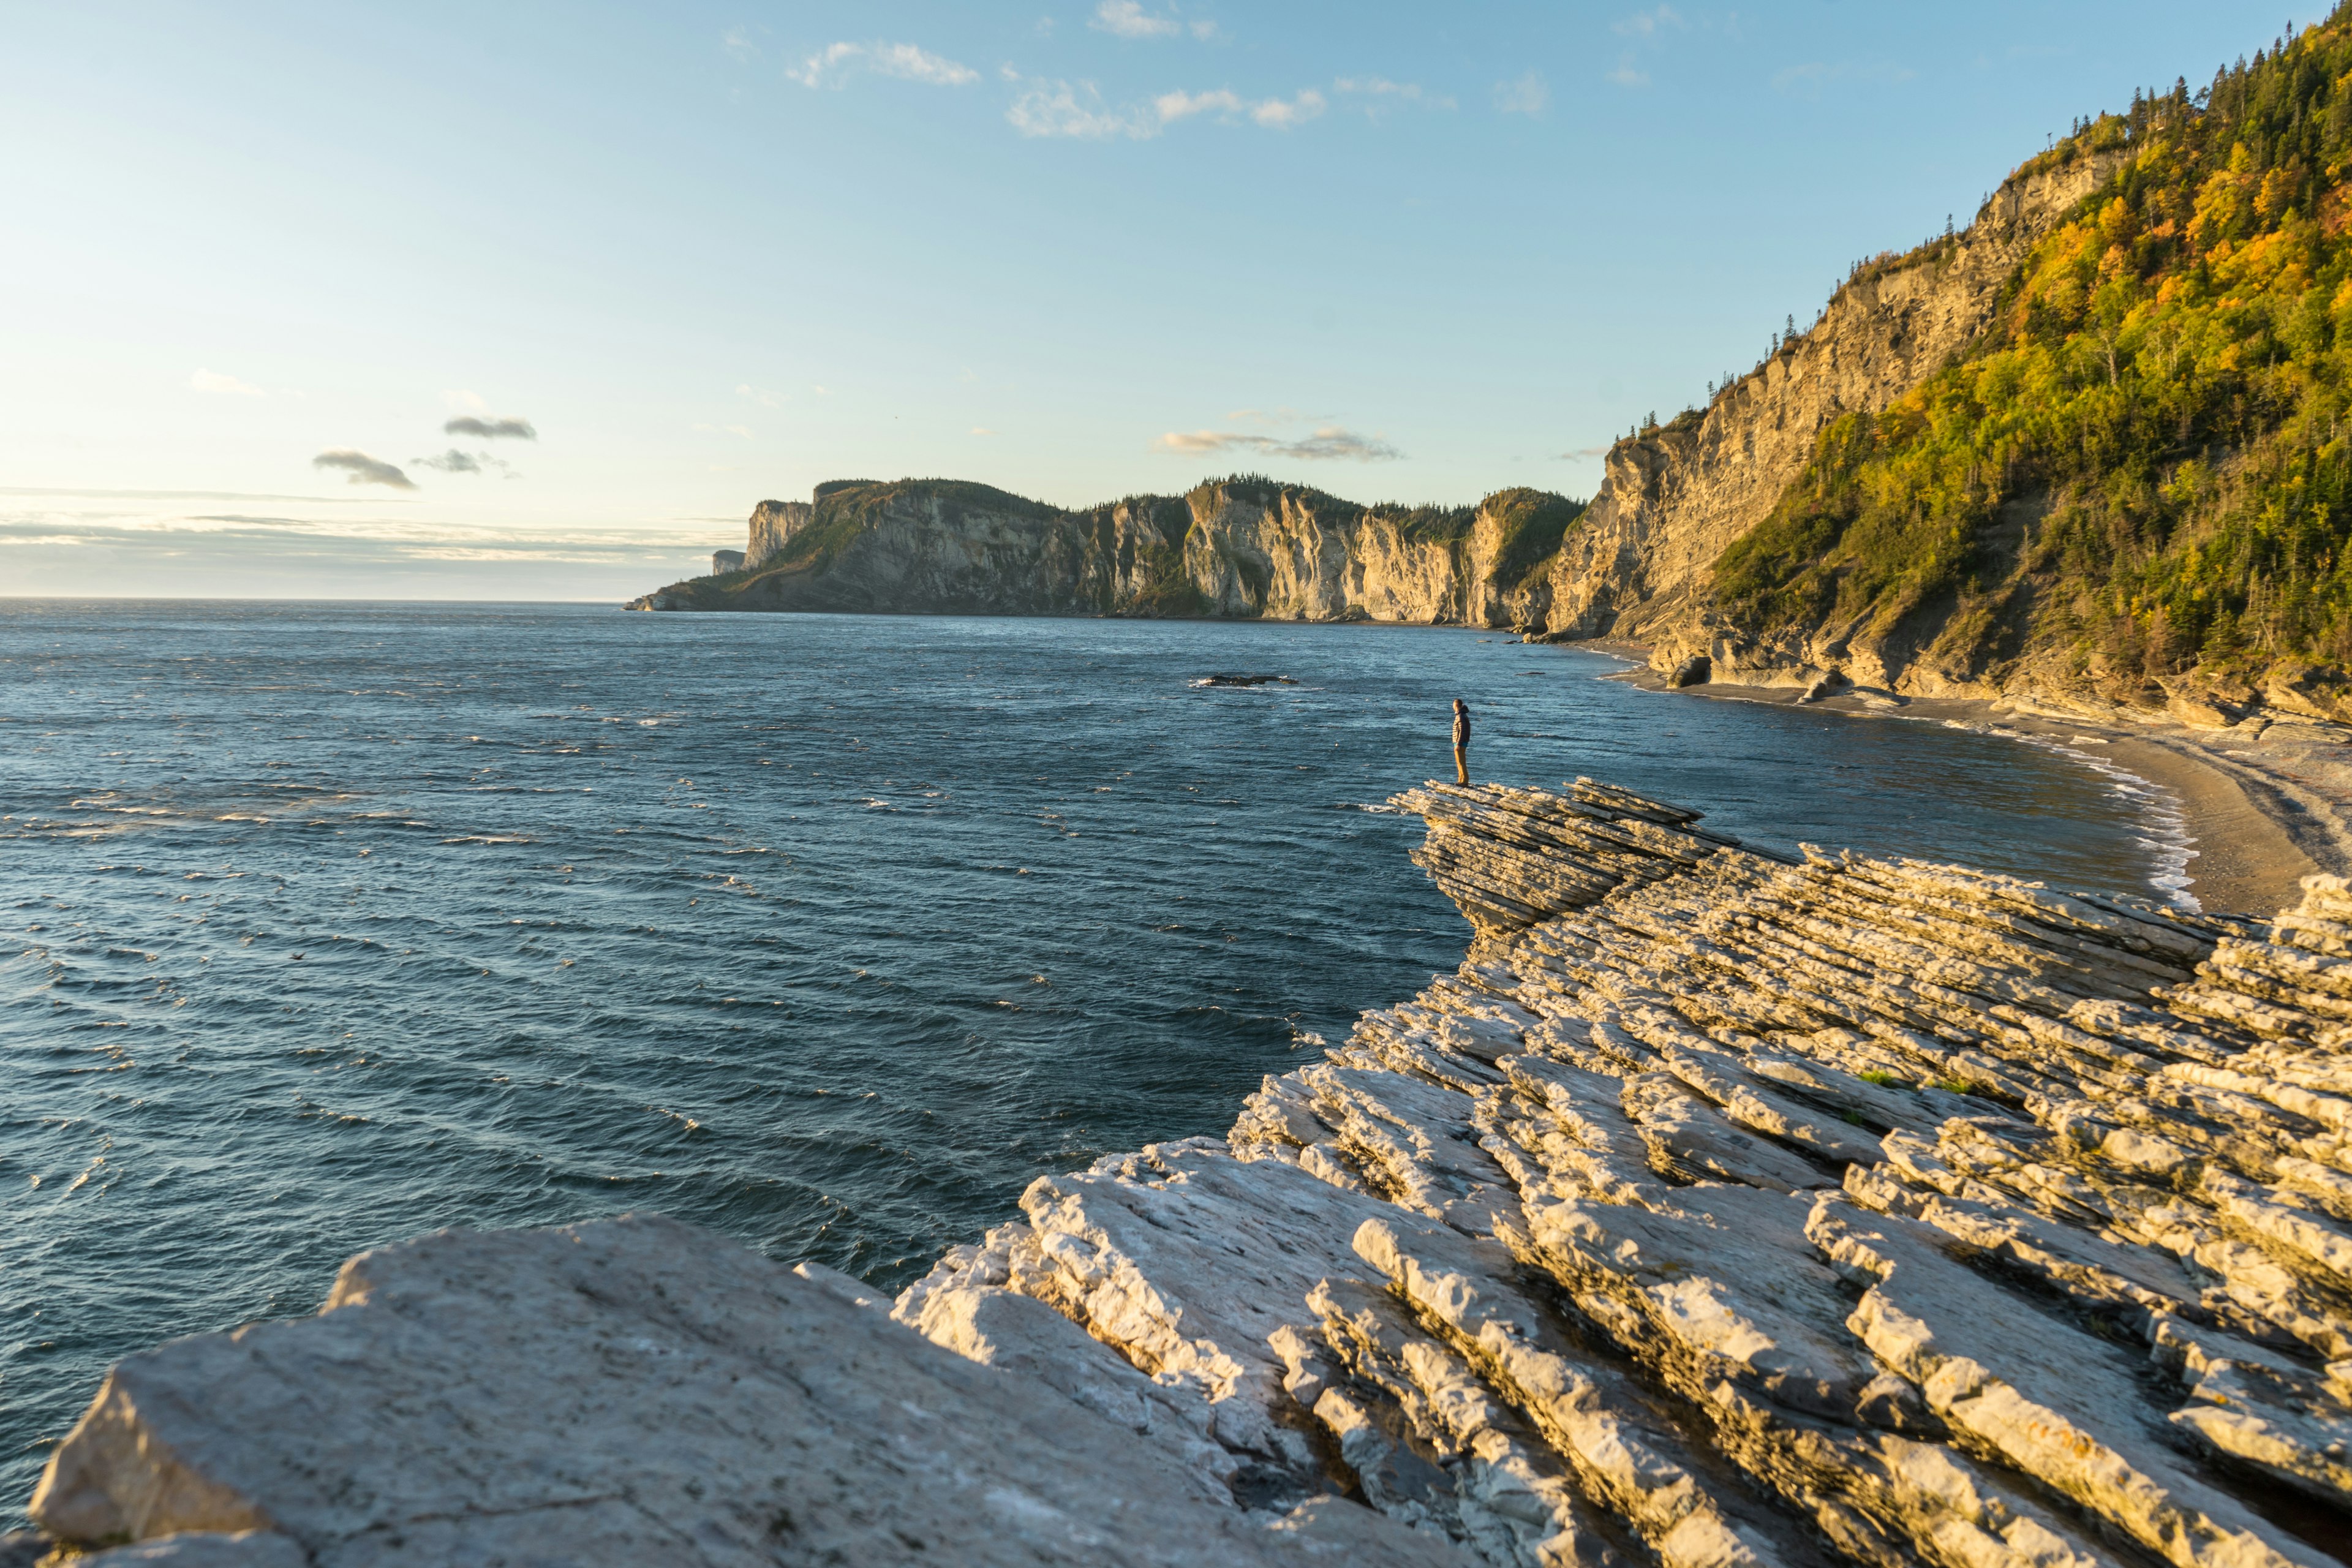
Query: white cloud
{"x": 1526, "y": 95}
{"x": 738, "y": 42}
{"x": 832, "y": 65}
{"x": 1277, "y": 115}
{"x": 1274, "y": 113}
{"x": 212, "y": 381}
{"x": 1062, "y": 108}
{"x": 1077, "y": 109}
{"x": 1382, "y": 91}
{"x": 461, "y": 401}
{"x": 1328, "y": 442}
{"x": 1649, "y": 23}
{"x": 981, "y": 430}
{"x": 1807, "y": 81}
{"x": 764, "y": 398}
{"x": 1127, "y": 19}
{"x": 1628, "y": 74}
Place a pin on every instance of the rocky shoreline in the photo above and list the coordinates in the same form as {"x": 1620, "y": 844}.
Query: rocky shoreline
{"x": 1721, "y": 1208}
{"x": 2269, "y": 800}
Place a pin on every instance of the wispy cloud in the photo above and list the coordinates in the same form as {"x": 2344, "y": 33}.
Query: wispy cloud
{"x": 737, "y": 41}
{"x": 981, "y": 430}
{"x": 832, "y": 66}
{"x": 491, "y": 429}
{"x": 760, "y": 396}
{"x": 1808, "y": 81}
{"x": 363, "y": 469}
{"x": 1077, "y": 109}
{"x": 186, "y": 495}
{"x": 1274, "y": 113}
{"x": 1627, "y": 74}
{"x": 1380, "y": 92}
{"x": 1328, "y": 442}
{"x": 1074, "y": 109}
{"x": 213, "y": 382}
{"x": 1128, "y": 19}
{"x": 1584, "y": 453}
{"x": 743, "y": 431}
{"x": 1528, "y": 94}
{"x": 459, "y": 400}
{"x": 1649, "y": 24}
{"x": 453, "y": 461}
{"x": 55, "y": 551}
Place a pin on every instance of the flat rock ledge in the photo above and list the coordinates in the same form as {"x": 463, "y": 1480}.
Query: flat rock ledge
{"x": 1720, "y": 1210}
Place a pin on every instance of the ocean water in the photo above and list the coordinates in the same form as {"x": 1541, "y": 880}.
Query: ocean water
{"x": 331, "y": 924}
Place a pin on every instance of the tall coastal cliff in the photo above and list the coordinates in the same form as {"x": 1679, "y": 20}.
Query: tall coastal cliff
{"x": 1643, "y": 564}
{"x": 2093, "y": 451}
{"x": 1235, "y": 547}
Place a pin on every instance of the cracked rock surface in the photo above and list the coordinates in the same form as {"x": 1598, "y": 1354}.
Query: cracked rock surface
{"x": 1727, "y": 1209}
{"x": 1721, "y": 1209}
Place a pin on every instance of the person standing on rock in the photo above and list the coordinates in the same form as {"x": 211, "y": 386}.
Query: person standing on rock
{"x": 1461, "y": 742}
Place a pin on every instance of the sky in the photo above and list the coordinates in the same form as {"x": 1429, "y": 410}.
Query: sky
{"x": 537, "y": 301}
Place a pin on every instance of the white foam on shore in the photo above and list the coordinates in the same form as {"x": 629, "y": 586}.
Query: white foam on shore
{"x": 2163, "y": 816}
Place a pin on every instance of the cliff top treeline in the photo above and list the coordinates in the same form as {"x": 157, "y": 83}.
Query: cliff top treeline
{"x": 2143, "y": 469}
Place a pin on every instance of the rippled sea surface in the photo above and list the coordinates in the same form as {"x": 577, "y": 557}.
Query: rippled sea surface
{"x": 331, "y": 924}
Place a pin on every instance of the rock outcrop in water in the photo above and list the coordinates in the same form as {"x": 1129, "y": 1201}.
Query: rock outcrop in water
{"x": 1233, "y": 548}
{"x": 1721, "y": 1209}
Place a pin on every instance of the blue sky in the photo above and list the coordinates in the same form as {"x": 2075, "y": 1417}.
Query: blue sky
{"x": 713, "y": 253}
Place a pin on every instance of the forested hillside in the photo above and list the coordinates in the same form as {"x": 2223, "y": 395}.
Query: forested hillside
{"x": 2140, "y": 476}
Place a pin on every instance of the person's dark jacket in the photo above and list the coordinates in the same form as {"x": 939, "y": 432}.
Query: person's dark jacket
{"x": 1462, "y": 726}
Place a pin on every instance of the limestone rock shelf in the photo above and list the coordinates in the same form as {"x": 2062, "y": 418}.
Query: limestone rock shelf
{"x": 1720, "y": 1210}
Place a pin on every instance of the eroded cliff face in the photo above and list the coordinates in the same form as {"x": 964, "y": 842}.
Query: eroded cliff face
{"x": 773, "y": 524}
{"x": 1642, "y": 563}
{"x": 1231, "y": 549}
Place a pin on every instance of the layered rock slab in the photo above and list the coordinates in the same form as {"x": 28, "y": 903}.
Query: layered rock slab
{"x": 1723, "y": 1208}
{"x": 634, "y": 1391}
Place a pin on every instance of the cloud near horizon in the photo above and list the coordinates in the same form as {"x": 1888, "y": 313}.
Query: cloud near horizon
{"x": 1328, "y": 442}
{"x": 57, "y": 551}
{"x": 831, "y": 66}
{"x": 362, "y": 469}
{"x": 223, "y": 386}
{"x": 453, "y": 461}
{"x": 490, "y": 429}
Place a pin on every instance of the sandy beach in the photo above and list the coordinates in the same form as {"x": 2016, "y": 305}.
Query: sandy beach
{"x": 2265, "y": 804}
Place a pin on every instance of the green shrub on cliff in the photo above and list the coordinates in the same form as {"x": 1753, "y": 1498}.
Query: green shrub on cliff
{"x": 2146, "y": 461}
{"x": 1533, "y": 523}
{"x": 847, "y": 507}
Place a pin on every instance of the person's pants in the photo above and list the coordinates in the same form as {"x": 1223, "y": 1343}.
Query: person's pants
{"x": 1462, "y": 765}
